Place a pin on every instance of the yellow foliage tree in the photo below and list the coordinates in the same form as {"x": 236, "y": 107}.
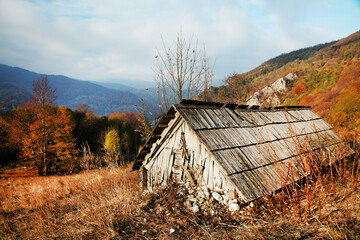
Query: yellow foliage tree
{"x": 112, "y": 146}
{"x": 346, "y": 112}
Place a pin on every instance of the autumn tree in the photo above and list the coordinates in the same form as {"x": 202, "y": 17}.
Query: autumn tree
{"x": 126, "y": 124}
{"x": 182, "y": 72}
{"x": 85, "y": 128}
{"x": 42, "y": 98}
{"x": 112, "y": 144}
{"x": 43, "y": 131}
{"x": 300, "y": 88}
{"x": 21, "y": 130}
{"x": 239, "y": 87}
{"x": 8, "y": 151}
{"x": 63, "y": 142}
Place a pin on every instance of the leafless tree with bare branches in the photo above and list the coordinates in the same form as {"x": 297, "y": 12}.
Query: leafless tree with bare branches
{"x": 182, "y": 72}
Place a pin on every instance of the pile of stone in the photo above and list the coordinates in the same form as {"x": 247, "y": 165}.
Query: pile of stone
{"x": 196, "y": 199}
{"x": 206, "y": 200}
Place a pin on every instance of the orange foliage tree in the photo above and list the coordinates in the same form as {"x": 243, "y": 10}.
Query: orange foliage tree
{"x": 43, "y": 131}
{"x": 132, "y": 119}
{"x": 300, "y": 88}
{"x": 64, "y": 143}
{"x": 307, "y": 100}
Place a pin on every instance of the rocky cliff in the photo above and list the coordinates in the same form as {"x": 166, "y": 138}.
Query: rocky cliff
{"x": 270, "y": 95}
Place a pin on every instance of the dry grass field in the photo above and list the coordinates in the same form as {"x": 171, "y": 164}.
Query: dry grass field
{"x": 78, "y": 206}
{"x": 107, "y": 204}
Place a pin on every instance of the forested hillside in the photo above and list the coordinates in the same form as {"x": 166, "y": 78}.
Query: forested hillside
{"x": 56, "y": 140}
{"x": 328, "y": 80}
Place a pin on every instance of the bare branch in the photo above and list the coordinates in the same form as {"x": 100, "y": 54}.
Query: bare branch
{"x": 182, "y": 72}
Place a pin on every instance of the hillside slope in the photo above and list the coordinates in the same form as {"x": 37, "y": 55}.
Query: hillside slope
{"x": 16, "y": 86}
{"x": 328, "y": 80}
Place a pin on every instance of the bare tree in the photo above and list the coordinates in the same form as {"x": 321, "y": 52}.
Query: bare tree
{"x": 43, "y": 94}
{"x": 43, "y": 97}
{"x": 183, "y": 72}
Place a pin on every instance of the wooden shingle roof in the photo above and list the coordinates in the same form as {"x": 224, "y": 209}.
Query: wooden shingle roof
{"x": 260, "y": 150}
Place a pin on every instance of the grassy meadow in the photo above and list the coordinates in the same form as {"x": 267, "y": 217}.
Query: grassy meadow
{"x": 108, "y": 204}
{"x": 78, "y": 206}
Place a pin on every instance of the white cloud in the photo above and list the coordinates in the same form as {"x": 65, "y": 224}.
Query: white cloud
{"x": 117, "y": 39}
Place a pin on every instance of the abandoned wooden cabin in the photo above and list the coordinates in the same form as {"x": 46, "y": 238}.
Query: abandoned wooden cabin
{"x": 229, "y": 147}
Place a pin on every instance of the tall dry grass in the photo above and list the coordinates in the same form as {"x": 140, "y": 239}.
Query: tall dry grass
{"x": 325, "y": 204}
{"x": 78, "y": 206}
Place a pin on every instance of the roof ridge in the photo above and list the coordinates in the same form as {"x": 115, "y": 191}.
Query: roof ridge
{"x": 235, "y": 105}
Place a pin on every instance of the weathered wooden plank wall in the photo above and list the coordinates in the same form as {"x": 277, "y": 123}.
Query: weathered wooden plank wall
{"x": 168, "y": 163}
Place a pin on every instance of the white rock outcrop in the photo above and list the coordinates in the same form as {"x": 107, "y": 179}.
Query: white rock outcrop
{"x": 269, "y": 95}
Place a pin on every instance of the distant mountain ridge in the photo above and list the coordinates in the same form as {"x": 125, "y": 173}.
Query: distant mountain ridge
{"x": 16, "y": 87}
{"x": 116, "y": 86}
{"x": 126, "y": 84}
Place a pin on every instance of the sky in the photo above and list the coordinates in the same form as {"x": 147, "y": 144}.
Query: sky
{"x": 110, "y": 40}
